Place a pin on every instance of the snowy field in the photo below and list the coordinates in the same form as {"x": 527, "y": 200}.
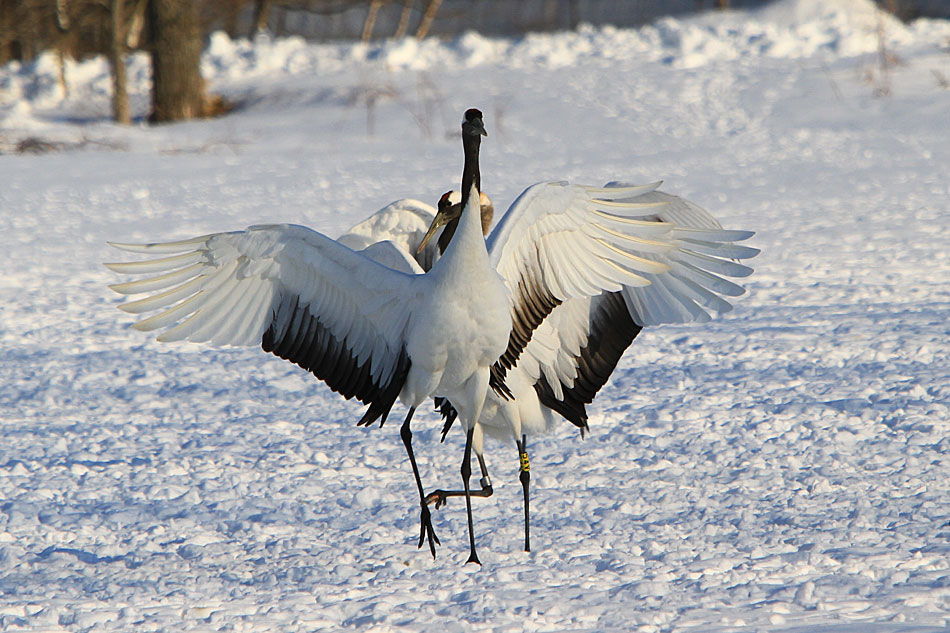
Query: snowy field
{"x": 783, "y": 468}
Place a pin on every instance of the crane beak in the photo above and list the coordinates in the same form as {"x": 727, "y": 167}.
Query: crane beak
{"x": 440, "y": 220}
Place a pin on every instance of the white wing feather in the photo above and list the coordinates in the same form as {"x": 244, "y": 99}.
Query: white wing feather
{"x": 686, "y": 244}
{"x": 578, "y": 241}
{"x": 404, "y": 223}
{"x": 229, "y": 288}
{"x": 704, "y": 255}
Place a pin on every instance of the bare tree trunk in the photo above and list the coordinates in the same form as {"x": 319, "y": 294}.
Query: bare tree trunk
{"x": 261, "y": 15}
{"x": 427, "y": 18}
{"x": 133, "y": 36}
{"x": 177, "y": 87}
{"x": 374, "y": 7}
{"x": 280, "y": 28}
{"x": 61, "y": 63}
{"x": 573, "y": 15}
{"x": 120, "y": 94}
{"x": 8, "y": 32}
{"x": 62, "y": 28}
{"x": 404, "y": 19}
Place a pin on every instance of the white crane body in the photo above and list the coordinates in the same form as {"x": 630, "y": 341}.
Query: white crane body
{"x": 470, "y": 306}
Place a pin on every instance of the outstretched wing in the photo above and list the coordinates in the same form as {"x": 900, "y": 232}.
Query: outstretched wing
{"x": 560, "y": 241}
{"x": 295, "y": 292}
{"x": 574, "y": 350}
{"x": 705, "y": 255}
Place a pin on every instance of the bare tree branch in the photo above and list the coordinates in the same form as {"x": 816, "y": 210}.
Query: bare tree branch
{"x": 404, "y": 19}
{"x": 427, "y": 18}
{"x": 374, "y": 8}
{"x": 261, "y": 15}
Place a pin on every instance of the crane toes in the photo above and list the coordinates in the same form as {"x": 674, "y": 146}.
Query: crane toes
{"x": 426, "y": 531}
{"x": 437, "y": 497}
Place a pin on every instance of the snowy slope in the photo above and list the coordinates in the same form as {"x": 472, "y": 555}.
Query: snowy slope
{"x": 782, "y": 468}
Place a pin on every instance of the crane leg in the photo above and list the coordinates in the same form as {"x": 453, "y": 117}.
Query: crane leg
{"x": 439, "y": 497}
{"x": 466, "y": 474}
{"x": 426, "y": 531}
{"x": 525, "y": 479}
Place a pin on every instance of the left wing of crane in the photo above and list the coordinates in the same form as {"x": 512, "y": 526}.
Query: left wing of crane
{"x": 308, "y": 299}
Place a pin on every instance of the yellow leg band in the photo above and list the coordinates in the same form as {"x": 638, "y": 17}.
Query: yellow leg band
{"x": 525, "y": 463}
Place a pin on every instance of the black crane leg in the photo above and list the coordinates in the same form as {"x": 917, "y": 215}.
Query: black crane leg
{"x": 466, "y": 474}
{"x": 440, "y": 497}
{"x": 525, "y": 477}
{"x": 426, "y": 531}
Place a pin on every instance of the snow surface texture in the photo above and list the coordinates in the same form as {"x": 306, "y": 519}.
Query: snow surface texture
{"x": 782, "y": 468}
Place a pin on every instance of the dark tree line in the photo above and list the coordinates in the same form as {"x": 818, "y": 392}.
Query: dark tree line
{"x": 173, "y": 32}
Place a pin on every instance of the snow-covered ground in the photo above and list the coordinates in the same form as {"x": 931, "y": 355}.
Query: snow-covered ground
{"x": 783, "y": 468}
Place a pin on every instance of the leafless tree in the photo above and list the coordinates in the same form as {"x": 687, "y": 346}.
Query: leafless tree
{"x": 404, "y": 19}
{"x": 261, "y": 14}
{"x": 120, "y": 94}
{"x": 371, "y": 13}
{"x": 427, "y": 18}
{"x": 178, "y": 90}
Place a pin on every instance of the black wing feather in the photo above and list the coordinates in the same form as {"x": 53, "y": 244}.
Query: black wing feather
{"x": 612, "y": 330}
{"x": 307, "y": 342}
{"x": 533, "y": 302}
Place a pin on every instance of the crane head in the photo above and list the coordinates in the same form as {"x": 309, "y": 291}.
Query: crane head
{"x": 472, "y": 123}
{"x": 445, "y": 214}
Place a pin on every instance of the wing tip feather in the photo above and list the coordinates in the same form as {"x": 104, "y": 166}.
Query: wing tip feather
{"x": 176, "y": 246}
